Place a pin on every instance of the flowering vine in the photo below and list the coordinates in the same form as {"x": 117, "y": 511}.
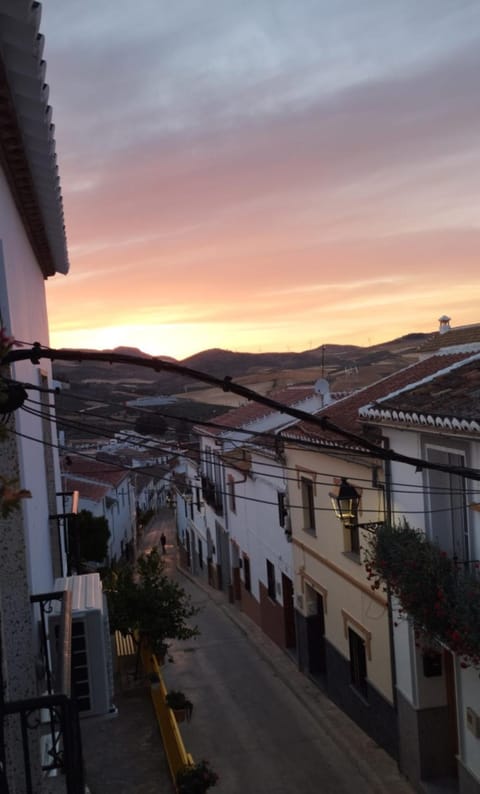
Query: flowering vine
{"x": 439, "y": 594}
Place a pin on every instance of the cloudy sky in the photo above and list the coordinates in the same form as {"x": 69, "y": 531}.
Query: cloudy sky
{"x": 264, "y": 174}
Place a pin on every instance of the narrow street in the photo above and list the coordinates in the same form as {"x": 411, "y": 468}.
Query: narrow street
{"x": 257, "y": 734}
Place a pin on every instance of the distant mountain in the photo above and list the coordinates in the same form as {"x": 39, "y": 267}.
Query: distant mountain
{"x": 332, "y": 361}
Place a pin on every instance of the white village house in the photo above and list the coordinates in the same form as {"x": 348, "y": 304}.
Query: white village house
{"x": 33, "y": 558}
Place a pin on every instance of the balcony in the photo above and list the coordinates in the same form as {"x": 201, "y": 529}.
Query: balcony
{"x": 40, "y": 737}
{"x": 212, "y": 495}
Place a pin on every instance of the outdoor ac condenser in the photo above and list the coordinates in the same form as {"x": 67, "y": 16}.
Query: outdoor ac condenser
{"x": 91, "y": 667}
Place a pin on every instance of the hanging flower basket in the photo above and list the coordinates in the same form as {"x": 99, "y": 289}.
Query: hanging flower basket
{"x": 439, "y": 594}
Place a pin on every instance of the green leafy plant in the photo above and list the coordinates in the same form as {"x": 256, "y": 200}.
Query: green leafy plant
{"x": 196, "y": 778}
{"x": 144, "y": 602}
{"x": 440, "y": 595}
{"x": 88, "y": 536}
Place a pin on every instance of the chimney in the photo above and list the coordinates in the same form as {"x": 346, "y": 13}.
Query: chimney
{"x": 444, "y": 324}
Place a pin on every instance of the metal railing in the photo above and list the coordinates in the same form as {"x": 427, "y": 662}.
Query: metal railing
{"x": 212, "y": 495}
{"x": 57, "y": 740}
{"x": 46, "y": 729}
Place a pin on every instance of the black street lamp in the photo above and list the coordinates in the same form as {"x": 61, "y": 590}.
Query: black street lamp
{"x": 345, "y": 502}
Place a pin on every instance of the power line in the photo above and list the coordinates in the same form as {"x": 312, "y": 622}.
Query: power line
{"x": 368, "y": 448}
{"x": 242, "y": 497}
{"x": 282, "y": 468}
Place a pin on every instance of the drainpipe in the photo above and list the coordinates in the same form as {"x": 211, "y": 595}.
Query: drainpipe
{"x": 388, "y": 519}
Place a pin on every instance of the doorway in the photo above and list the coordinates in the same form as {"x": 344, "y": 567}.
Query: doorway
{"x": 289, "y": 613}
{"x": 316, "y": 639}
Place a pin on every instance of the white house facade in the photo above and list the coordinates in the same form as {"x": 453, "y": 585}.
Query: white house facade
{"x": 236, "y": 510}
{"x": 32, "y": 249}
{"x": 107, "y": 490}
{"x": 437, "y": 420}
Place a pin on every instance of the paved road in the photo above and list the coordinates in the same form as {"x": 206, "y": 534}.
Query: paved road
{"x": 256, "y": 732}
{"x": 264, "y": 726}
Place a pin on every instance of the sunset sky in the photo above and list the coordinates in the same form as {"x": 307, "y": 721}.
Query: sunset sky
{"x": 264, "y": 174}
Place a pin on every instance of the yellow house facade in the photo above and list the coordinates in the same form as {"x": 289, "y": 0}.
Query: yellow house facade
{"x": 343, "y": 625}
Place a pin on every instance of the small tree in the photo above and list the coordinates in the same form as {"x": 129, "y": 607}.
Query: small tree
{"x": 144, "y": 602}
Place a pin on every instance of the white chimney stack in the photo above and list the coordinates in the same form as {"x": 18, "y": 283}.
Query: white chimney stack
{"x": 444, "y": 324}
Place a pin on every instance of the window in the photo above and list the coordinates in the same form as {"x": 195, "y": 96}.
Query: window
{"x": 231, "y": 493}
{"x": 200, "y": 553}
{"x": 447, "y": 514}
{"x": 197, "y": 497}
{"x": 246, "y": 574}
{"x": 358, "y": 662}
{"x": 208, "y": 463}
{"x": 353, "y": 540}
{"x": 271, "y": 583}
{"x": 308, "y": 504}
{"x": 282, "y": 510}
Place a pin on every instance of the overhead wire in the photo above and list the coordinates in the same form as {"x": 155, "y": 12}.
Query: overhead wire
{"x": 147, "y": 445}
{"x": 142, "y": 470}
{"x": 145, "y": 470}
{"x": 299, "y": 443}
{"x": 227, "y": 384}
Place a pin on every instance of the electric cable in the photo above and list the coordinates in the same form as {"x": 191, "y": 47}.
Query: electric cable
{"x": 282, "y": 476}
{"x": 143, "y": 470}
{"x": 37, "y": 352}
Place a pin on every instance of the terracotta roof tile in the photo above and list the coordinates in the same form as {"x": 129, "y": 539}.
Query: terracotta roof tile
{"x": 95, "y": 492}
{"x": 251, "y": 412}
{"x": 466, "y": 335}
{"x": 453, "y": 395}
{"x": 93, "y": 469}
{"x": 344, "y": 413}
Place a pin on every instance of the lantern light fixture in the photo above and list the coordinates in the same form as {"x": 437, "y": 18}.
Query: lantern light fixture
{"x": 345, "y": 502}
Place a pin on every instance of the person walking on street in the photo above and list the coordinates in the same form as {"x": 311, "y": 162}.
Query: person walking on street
{"x": 163, "y": 541}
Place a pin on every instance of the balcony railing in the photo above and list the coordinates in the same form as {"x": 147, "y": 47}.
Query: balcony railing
{"x": 212, "y": 495}
{"x": 45, "y": 730}
{"x": 49, "y": 727}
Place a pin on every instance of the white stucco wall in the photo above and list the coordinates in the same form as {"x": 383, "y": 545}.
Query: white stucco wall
{"x": 255, "y": 524}
{"x": 24, "y": 312}
{"x": 408, "y": 498}
{"x": 468, "y": 697}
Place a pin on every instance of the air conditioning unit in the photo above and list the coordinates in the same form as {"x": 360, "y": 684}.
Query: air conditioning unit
{"x": 91, "y": 654}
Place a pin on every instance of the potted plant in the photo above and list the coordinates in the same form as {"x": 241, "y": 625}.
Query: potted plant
{"x": 180, "y": 705}
{"x": 154, "y": 679}
{"x": 196, "y": 778}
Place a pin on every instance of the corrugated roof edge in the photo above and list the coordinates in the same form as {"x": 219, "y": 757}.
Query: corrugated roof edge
{"x": 27, "y": 144}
